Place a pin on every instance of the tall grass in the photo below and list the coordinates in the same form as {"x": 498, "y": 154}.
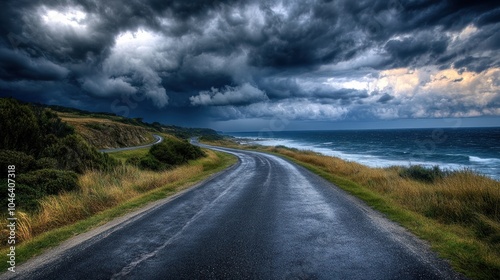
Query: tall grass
{"x": 99, "y": 190}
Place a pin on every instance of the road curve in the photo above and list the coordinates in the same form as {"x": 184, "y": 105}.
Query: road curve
{"x": 158, "y": 139}
{"x": 263, "y": 218}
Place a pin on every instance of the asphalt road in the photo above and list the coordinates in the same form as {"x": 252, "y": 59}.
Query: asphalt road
{"x": 158, "y": 139}
{"x": 264, "y": 218}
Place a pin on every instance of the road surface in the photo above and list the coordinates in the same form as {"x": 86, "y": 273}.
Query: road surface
{"x": 263, "y": 218}
{"x": 158, "y": 139}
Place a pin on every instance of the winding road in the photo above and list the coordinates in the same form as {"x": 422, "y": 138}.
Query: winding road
{"x": 263, "y": 218}
{"x": 158, "y": 139}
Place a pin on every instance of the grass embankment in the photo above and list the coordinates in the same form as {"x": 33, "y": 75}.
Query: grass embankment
{"x": 102, "y": 196}
{"x": 104, "y": 133}
{"x": 457, "y": 212}
{"x": 122, "y": 156}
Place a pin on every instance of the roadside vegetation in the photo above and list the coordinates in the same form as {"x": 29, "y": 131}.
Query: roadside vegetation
{"x": 97, "y": 191}
{"x": 167, "y": 154}
{"x": 101, "y": 197}
{"x": 458, "y": 212}
{"x": 64, "y": 186}
{"x": 48, "y": 154}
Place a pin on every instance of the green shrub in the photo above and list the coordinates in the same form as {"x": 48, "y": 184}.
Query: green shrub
{"x": 175, "y": 152}
{"x": 148, "y": 162}
{"x": 49, "y": 181}
{"x": 133, "y": 161}
{"x": 19, "y": 127}
{"x": 51, "y": 124}
{"x": 423, "y": 174}
{"x": 151, "y": 163}
{"x": 211, "y": 137}
{"x": 192, "y": 152}
{"x": 22, "y": 161}
{"x": 32, "y": 186}
{"x": 74, "y": 153}
{"x": 95, "y": 126}
{"x": 46, "y": 163}
{"x": 26, "y": 196}
{"x": 187, "y": 151}
{"x": 166, "y": 152}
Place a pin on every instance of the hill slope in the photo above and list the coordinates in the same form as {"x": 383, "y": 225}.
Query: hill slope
{"x": 104, "y": 133}
{"x": 107, "y": 130}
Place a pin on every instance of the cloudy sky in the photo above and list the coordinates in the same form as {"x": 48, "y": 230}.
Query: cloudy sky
{"x": 247, "y": 65}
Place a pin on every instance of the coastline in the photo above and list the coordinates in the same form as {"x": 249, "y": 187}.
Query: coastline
{"x": 382, "y": 149}
{"x": 457, "y": 212}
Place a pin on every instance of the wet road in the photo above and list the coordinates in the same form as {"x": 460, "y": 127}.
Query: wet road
{"x": 264, "y": 218}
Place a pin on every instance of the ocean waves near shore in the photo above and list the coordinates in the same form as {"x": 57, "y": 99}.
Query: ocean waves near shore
{"x": 472, "y": 148}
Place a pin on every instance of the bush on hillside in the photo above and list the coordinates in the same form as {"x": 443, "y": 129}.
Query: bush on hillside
{"x": 49, "y": 181}
{"x": 151, "y": 163}
{"x": 175, "y": 152}
{"x": 133, "y": 161}
{"x": 51, "y": 124}
{"x": 22, "y": 161}
{"x": 39, "y": 133}
{"x": 166, "y": 152}
{"x": 34, "y": 185}
{"x": 165, "y": 155}
{"x": 19, "y": 126}
{"x": 73, "y": 153}
{"x": 26, "y": 196}
{"x": 423, "y": 174}
{"x": 46, "y": 163}
{"x": 147, "y": 162}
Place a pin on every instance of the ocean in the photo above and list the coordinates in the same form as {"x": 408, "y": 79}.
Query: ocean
{"x": 477, "y": 149}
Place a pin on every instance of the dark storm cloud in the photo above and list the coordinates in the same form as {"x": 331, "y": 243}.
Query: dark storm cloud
{"x": 244, "y": 95}
{"x": 476, "y": 64}
{"x": 306, "y": 37}
{"x": 17, "y": 65}
{"x": 241, "y": 56}
{"x": 490, "y": 17}
{"x": 385, "y": 98}
{"x": 417, "y": 50}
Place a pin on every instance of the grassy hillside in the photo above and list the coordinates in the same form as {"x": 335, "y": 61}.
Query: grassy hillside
{"x": 105, "y": 133}
{"x": 177, "y": 131}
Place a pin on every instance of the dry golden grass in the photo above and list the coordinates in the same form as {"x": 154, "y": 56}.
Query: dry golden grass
{"x": 23, "y": 226}
{"x": 73, "y": 120}
{"x": 99, "y": 191}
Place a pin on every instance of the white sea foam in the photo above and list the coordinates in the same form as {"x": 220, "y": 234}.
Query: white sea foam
{"x": 369, "y": 160}
{"x": 484, "y": 160}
